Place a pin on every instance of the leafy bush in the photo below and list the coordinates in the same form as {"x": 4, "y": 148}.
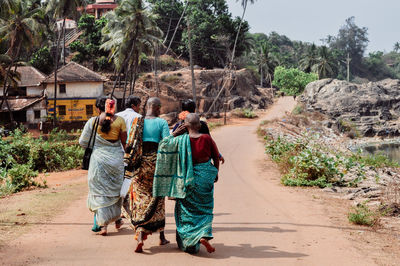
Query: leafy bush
{"x": 42, "y": 60}
{"x": 213, "y": 125}
{"x": 304, "y": 163}
{"x": 170, "y": 78}
{"x": 292, "y": 81}
{"x": 244, "y": 113}
{"x": 299, "y": 109}
{"x": 22, "y": 157}
{"x": 376, "y": 160}
{"x": 362, "y": 215}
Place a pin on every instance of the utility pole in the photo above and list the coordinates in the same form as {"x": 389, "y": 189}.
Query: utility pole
{"x": 348, "y": 59}
{"x": 191, "y": 59}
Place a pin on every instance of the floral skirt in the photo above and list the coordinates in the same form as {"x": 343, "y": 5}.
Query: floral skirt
{"x": 147, "y": 213}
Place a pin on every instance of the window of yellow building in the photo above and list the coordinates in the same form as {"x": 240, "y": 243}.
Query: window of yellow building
{"x": 89, "y": 109}
{"x": 62, "y": 110}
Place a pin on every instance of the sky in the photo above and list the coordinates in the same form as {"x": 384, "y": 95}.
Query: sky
{"x": 313, "y": 20}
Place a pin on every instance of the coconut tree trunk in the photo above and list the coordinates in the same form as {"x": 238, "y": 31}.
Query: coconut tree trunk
{"x": 191, "y": 61}
{"x": 261, "y": 76}
{"x": 176, "y": 28}
{"x": 125, "y": 85}
{"x": 237, "y": 34}
{"x": 5, "y": 85}
{"x": 55, "y": 75}
{"x": 169, "y": 27}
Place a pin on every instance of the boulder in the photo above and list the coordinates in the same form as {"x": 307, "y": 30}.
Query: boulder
{"x": 372, "y": 108}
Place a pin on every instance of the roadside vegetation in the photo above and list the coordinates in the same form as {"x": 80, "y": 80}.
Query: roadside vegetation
{"x": 305, "y": 162}
{"x": 23, "y": 157}
{"x": 244, "y": 113}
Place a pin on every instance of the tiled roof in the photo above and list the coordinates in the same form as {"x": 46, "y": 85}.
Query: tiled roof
{"x": 29, "y": 76}
{"x": 19, "y": 104}
{"x": 74, "y": 72}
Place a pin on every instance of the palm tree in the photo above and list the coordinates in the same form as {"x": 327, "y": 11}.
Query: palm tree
{"x": 396, "y": 47}
{"x": 325, "y": 64}
{"x": 13, "y": 76}
{"x": 61, "y": 10}
{"x": 20, "y": 28}
{"x": 130, "y": 31}
{"x": 309, "y": 59}
{"x": 267, "y": 62}
{"x": 244, "y": 5}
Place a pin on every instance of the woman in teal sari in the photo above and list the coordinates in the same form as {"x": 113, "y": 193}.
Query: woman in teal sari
{"x": 184, "y": 171}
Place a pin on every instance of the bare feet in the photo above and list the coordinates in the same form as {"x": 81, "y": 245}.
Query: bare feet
{"x": 139, "y": 247}
{"x": 140, "y": 239}
{"x": 204, "y": 242}
{"x": 103, "y": 231}
{"x": 163, "y": 240}
{"x": 119, "y": 223}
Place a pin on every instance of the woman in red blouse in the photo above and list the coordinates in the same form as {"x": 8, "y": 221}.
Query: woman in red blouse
{"x": 194, "y": 213}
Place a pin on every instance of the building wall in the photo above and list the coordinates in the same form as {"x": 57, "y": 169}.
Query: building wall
{"x": 76, "y": 109}
{"x": 76, "y": 90}
{"x": 34, "y": 91}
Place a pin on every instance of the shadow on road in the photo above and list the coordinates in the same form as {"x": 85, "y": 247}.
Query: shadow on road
{"x": 273, "y": 229}
{"x": 251, "y": 252}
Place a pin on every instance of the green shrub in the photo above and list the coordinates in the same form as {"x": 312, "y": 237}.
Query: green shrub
{"x": 306, "y": 164}
{"x": 312, "y": 164}
{"x": 22, "y": 176}
{"x": 376, "y": 160}
{"x": 362, "y": 215}
{"x": 244, "y": 113}
{"x": 299, "y": 109}
{"x": 292, "y": 81}
{"x": 22, "y": 157}
{"x": 43, "y": 60}
{"x": 168, "y": 62}
{"x": 213, "y": 125}
{"x": 169, "y": 78}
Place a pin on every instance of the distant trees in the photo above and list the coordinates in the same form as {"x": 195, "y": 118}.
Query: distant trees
{"x": 43, "y": 60}
{"x": 267, "y": 62}
{"x": 130, "y": 31}
{"x": 20, "y": 29}
{"x": 61, "y": 9}
{"x": 396, "y": 47}
{"x": 88, "y": 46}
{"x": 211, "y": 20}
{"x": 352, "y": 40}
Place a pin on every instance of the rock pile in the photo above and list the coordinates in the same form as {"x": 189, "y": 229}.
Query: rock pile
{"x": 174, "y": 86}
{"x": 372, "y": 108}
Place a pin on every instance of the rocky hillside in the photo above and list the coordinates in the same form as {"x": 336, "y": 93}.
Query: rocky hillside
{"x": 175, "y": 86}
{"x": 373, "y": 109}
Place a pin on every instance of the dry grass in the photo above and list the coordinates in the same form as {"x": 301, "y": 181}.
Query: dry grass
{"x": 21, "y": 211}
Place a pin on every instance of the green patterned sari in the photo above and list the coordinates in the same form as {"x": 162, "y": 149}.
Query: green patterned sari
{"x": 191, "y": 185}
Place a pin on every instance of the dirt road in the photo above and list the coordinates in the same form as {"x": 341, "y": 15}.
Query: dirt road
{"x": 257, "y": 221}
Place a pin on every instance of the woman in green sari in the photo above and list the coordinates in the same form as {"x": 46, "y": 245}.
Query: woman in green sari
{"x": 184, "y": 171}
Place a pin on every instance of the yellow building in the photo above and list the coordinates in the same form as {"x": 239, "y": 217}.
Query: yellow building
{"x": 77, "y": 90}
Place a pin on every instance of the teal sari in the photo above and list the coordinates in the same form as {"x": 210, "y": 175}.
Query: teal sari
{"x": 193, "y": 188}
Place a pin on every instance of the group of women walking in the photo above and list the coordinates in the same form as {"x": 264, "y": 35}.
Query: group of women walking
{"x": 141, "y": 151}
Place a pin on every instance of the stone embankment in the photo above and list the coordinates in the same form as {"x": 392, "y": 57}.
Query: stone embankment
{"x": 373, "y": 109}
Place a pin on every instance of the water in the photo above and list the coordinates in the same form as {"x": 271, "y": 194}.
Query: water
{"x": 391, "y": 150}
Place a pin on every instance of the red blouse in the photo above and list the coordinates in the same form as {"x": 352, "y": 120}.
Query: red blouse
{"x": 203, "y": 148}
